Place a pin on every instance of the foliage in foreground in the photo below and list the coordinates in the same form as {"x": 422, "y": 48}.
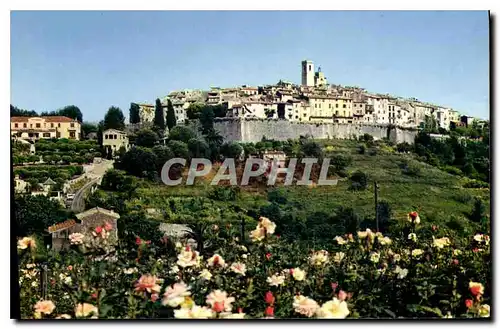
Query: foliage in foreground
{"x": 360, "y": 275}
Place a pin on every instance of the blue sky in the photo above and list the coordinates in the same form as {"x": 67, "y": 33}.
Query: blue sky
{"x": 98, "y": 59}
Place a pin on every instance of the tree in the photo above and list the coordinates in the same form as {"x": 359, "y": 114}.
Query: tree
{"x": 194, "y": 110}
{"x": 114, "y": 119}
{"x": 118, "y": 181}
{"x": 198, "y": 148}
{"x": 181, "y": 133}
{"x": 171, "y": 121}
{"x": 146, "y": 138}
{"x": 163, "y": 154}
{"x": 87, "y": 128}
{"x": 231, "y": 150}
{"x": 138, "y": 161}
{"x": 207, "y": 120}
{"x": 159, "y": 120}
{"x": 180, "y": 149}
{"x": 311, "y": 149}
{"x": 34, "y": 214}
{"x": 33, "y": 158}
{"x": 100, "y": 130}
{"x": 359, "y": 181}
{"x": 71, "y": 111}
{"x": 17, "y": 112}
{"x": 134, "y": 116}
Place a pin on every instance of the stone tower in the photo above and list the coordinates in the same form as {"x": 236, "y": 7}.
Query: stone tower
{"x": 308, "y": 73}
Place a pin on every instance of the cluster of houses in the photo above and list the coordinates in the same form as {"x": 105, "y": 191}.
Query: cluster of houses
{"x": 314, "y": 100}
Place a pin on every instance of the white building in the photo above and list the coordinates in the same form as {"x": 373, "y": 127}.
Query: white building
{"x": 114, "y": 139}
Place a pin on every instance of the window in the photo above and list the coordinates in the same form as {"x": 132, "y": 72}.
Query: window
{"x": 309, "y": 67}
{"x": 344, "y": 106}
{"x": 51, "y": 125}
{"x": 46, "y": 134}
{"x": 329, "y": 106}
{"x": 59, "y": 125}
{"x": 72, "y": 124}
{"x": 336, "y": 105}
{"x": 72, "y": 134}
{"x": 305, "y": 114}
{"x": 344, "y": 113}
{"x": 115, "y": 137}
{"x": 315, "y": 105}
{"x": 15, "y": 125}
{"x": 38, "y": 125}
{"x": 31, "y": 125}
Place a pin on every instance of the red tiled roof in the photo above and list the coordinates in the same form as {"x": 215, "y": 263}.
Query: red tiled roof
{"x": 61, "y": 226}
{"x": 58, "y": 119}
{"x": 46, "y": 118}
{"x": 19, "y": 119}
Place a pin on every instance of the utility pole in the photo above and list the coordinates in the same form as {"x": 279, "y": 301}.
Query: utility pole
{"x": 376, "y": 204}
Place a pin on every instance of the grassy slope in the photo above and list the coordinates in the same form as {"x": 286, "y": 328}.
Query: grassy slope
{"x": 435, "y": 194}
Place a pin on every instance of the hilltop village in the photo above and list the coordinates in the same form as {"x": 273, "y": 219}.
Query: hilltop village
{"x": 314, "y": 101}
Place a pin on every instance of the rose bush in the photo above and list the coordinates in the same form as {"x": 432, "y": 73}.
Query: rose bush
{"x": 363, "y": 275}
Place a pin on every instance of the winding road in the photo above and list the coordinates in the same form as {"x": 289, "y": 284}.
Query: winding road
{"x": 96, "y": 174}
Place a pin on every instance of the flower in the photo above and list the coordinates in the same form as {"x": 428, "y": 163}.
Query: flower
{"x": 448, "y": 315}
{"x": 334, "y": 309}
{"x": 258, "y": 234}
{"x": 484, "y": 311}
{"x": 276, "y": 280}
{"x": 337, "y": 258}
{"x": 98, "y": 229}
{"x": 468, "y": 303}
{"x": 413, "y": 237}
{"x": 482, "y": 238}
{"x": 174, "y": 295}
{"x": 174, "y": 269}
{"x": 130, "y": 270}
{"x": 229, "y": 315}
{"x": 476, "y": 288}
{"x": 413, "y": 217}
{"x": 441, "y": 243}
{"x": 63, "y": 316}
{"x": 239, "y": 268}
{"x": 305, "y": 306}
{"x": 366, "y": 234}
{"x": 269, "y": 298}
{"x": 342, "y": 295}
{"x": 76, "y": 238}
{"x": 319, "y": 258}
{"x": 85, "y": 309}
{"x": 26, "y": 242}
{"x": 195, "y": 312}
{"x": 374, "y": 257}
{"x": 45, "y": 307}
{"x": 340, "y": 240}
{"x": 216, "y": 260}
{"x": 268, "y": 256}
{"x": 298, "y": 274}
{"x": 187, "y": 258}
{"x": 267, "y": 224}
{"x": 402, "y": 273}
{"x": 219, "y": 301}
{"x": 108, "y": 226}
{"x": 269, "y": 311}
{"x": 457, "y": 252}
{"x": 205, "y": 274}
{"x": 147, "y": 282}
{"x": 396, "y": 258}
{"x": 384, "y": 241}
{"x": 417, "y": 252}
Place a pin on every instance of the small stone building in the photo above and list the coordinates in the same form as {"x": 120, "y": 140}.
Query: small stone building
{"x": 86, "y": 222}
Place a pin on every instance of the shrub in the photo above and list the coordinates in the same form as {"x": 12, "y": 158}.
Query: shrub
{"x": 341, "y": 161}
{"x": 223, "y": 193}
{"x": 452, "y": 170}
{"x": 277, "y": 195}
{"x": 359, "y": 181}
{"x": 472, "y": 183}
{"x": 361, "y": 148}
{"x": 412, "y": 168}
{"x": 373, "y": 151}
